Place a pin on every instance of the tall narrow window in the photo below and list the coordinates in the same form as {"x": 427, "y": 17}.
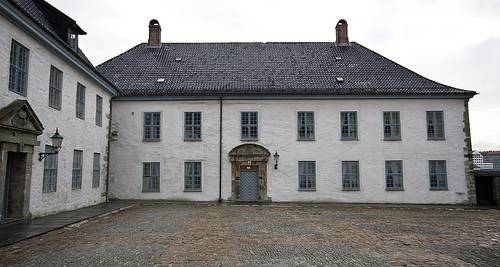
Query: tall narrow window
{"x": 350, "y": 175}
{"x": 435, "y": 125}
{"x": 307, "y": 175}
{"x": 18, "y": 74}
{"x": 151, "y": 177}
{"x": 305, "y": 125}
{"x": 98, "y": 110}
{"x": 80, "y": 101}
{"x": 192, "y": 126}
{"x": 55, "y": 87}
{"x": 50, "y": 171}
{"x": 76, "y": 181}
{"x": 392, "y": 125}
{"x": 96, "y": 170}
{"x": 152, "y": 126}
{"x": 349, "y": 125}
{"x": 438, "y": 176}
{"x": 249, "y": 126}
{"x": 394, "y": 174}
{"x": 192, "y": 176}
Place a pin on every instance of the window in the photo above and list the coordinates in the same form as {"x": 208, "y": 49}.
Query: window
{"x": 349, "y": 125}
{"x": 392, "y": 125}
{"x": 192, "y": 176}
{"x": 50, "y": 171}
{"x": 55, "y": 88}
{"x": 80, "y": 101}
{"x": 98, "y": 110}
{"x": 307, "y": 175}
{"x": 151, "y": 177}
{"x": 152, "y": 126}
{"x": 76, "y": 180}
{"x": 305, "y": 125}
{"x": 394, "y": 174}
{"x": 249, "y": 128}
{"x": 435, "y": 125}
{"x": 18, "y": 74}
{"x": 350, "y": 175}
{"x": 437, "y": 173}
{"x": 192, "y": 126}
{"x": 96, "y": 170}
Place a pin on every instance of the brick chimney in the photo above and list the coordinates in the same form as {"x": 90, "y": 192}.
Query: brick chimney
{"x": 341, "y": 33}
{"x": 154, "y": 33}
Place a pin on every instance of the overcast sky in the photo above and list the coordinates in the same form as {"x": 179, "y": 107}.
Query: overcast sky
{"x": 455, "y": 42}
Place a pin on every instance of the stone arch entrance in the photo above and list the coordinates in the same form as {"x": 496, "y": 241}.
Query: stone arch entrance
{"x": 248, "y": 160}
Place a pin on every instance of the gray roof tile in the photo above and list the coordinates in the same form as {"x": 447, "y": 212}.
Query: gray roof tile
{"x": 234, "y": 69}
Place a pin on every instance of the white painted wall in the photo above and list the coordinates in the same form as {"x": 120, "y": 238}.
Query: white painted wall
{"x": 78, "y": 134}
{"x": 278, "y": 132}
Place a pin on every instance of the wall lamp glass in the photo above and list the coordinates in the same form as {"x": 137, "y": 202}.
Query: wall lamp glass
{"x": 56, "y": 144}
{"x": 276, "y": 157}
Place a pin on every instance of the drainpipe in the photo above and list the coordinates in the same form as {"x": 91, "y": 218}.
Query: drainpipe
{"x": 109, "y": 148}
{"x": 220, "y": 149}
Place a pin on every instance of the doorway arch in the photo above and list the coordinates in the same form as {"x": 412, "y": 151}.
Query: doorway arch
{"x": 249, "y": 158}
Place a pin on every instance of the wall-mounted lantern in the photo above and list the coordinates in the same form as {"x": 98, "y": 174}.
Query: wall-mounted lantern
{"x": 56, "y": 144}
{"x": 276, "y": 157}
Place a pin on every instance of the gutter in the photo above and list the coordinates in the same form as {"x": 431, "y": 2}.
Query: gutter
{"x": 220, "y": 149}
{"x": 108, "y": 152}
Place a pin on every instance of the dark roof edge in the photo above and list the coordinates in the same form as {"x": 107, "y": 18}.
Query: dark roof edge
{"x": 278, "y": 97}
{"x": 471, "y": 92}
{"x": 33, "y": 28}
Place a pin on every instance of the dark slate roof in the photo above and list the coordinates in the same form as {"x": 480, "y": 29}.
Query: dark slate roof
{"x": 246, "y": 69}
{"x": 51, "y": 20}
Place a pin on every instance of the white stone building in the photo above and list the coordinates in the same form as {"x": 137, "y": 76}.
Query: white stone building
{"x": 47, "y": 83}
{"x": 206, "y": 122}
{"x": 312, "y": 122}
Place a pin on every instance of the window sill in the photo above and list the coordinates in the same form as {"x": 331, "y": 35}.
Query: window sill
{"x": 80, "y": 118}
{"x": 392, "y": 139}
{"x": 351, "y": 189}
{"x": 99, "y": 125}
{"x": 17, "y": 93}
{"x": 249, "y": 139}
{"x": 192, "y": 190}
{"x": 192, "y": 140}
{"x": 150, "y": 191}
{"x": 151, "y": 140}
{"x": 349, "y": 139}
{"x": 438, "y": 189}
{"x": 58, "y": 109}
{"x": 306, "y": 139}
{"x": 76, "y": 189}
{"x": 394, "y": 189}
{"x": 436, "y": 139}
{"x": 307, "y": 190}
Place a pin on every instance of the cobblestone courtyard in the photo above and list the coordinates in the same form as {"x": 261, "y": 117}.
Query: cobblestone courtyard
{"x": 181, "y": 234}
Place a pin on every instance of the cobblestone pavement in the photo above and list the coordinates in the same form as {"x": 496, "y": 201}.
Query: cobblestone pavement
{"x": 287, "y": 234}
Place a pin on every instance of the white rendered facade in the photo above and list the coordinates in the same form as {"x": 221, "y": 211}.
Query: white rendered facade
{"x": 277, "y": 127}
{"x": 78, "y": 134}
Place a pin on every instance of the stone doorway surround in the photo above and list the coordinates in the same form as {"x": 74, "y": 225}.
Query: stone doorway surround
{"x": 249, "y": 157}
{"x": 19, "y": 129}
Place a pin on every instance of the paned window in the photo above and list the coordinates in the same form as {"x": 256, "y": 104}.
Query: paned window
{"x": 305, "y": 125}
{"x": 349, "y": 125}
{"x": 18, "y": 74}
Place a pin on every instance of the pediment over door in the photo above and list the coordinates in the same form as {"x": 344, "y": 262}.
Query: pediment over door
{"x": 19, "y": 116}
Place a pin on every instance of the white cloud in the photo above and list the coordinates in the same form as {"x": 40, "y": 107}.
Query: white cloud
{"x": 451, "y": 41}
